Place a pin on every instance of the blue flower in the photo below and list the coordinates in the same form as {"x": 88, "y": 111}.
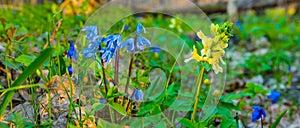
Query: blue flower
{"x": 108, "y": 54}
{"x": 258, "y": 113}
{"x": 92, "y": 32}
{"x": 141, "y": 41}
{"x": 72, "y": 51}
{"x": 274, "y": 96}
{"x": 137, "y": 95}
{"x": 129, "y": 43}
{"x": 140, "y": 28}
{"x": 70, "y": 70}
{"x": 103, "y": 101}
{"x": 113, "y": 41}
{"x": 94, "y": 41}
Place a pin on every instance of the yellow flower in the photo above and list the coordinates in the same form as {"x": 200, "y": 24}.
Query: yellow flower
{"x": 213, "y": 49}
{"x": 196, "y": 56}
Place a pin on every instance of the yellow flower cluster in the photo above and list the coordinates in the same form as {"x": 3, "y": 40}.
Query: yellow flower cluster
{"x": 213, "y": 48}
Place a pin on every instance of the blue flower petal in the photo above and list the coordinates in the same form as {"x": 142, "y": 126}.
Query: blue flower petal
{"x": 274, "y": 96}
{"x": 144, "y": 41}
{"x": 72, "y": 51}
{"x": 258, "y": 113}
{"x": 129, "y": 43}
{"x": 118, "y": 40}
{"x": 140, "y": 28}
{"x": 92, "y": 32}
{"x": 137, "y": 95}
{"x": 263, "y": 113}
{"x": 104, "y": 55}
{"x": 70, "y": 70}
{"x": 255, "y": 116}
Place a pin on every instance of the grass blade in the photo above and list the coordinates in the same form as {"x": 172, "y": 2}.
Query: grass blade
{"x": 278, "y": 119}
{"x": 38, "y": 62}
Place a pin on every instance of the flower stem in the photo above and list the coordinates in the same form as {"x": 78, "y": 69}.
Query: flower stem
{"x": 130, "y": 69}
{"x": 198, "y": 93}
{"x": 117, "y": 68}
{"x": 104, "y": 76}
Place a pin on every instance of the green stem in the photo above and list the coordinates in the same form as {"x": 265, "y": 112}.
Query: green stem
{"x": 104, "y": 77}
{"x": 290, "y": 78}
{"x": 117, "y": 68}
{"x": 198, "y": 93}
{"x": 262, "y": 121}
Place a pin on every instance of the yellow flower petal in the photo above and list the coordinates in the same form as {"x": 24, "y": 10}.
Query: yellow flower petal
{"x": 201, "y": 35}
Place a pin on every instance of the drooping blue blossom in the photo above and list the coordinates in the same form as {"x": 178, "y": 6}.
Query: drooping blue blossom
{"x": 140, "y": 28}
{"x": 94, "y": 41}
{"x": 258, "y": 113}
{"x": 72, "y": 51}
{"x": 108, "y": 54}
{"x": 113, "y": 41}
{"x": 129, "y": 43}
{"x": 103, "y": 101}
{"x": 92, "y": 32}
{"x": 70, "y": 70}
{"x": 137, "y": 95}
{"x": 141, "y": 41}
{"x": 274, "y": 96}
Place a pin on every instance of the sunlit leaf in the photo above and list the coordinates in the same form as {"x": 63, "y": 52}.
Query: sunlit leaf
{"x": 118, "y": 108}
{"x": 25, "y": 59}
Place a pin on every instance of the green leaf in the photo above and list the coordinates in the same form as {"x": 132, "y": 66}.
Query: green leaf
{"x": 161, "y": 124}
{"x": 144, "y": 79}
{"x": 207, "y": 66}
{"x": 228, "y": 123}
{"x": 25, "y": 59}
{"x": 105, "y": 124}
{"x": 2, "y": 125}
{"x": 10, "y": 64}
{"x": 278, "y": 119}
{"x": 118, "y": 108}
{"x": 38, "y": 62}
{"x": 98, "y": 106}
{"x": 187, "y": 123}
